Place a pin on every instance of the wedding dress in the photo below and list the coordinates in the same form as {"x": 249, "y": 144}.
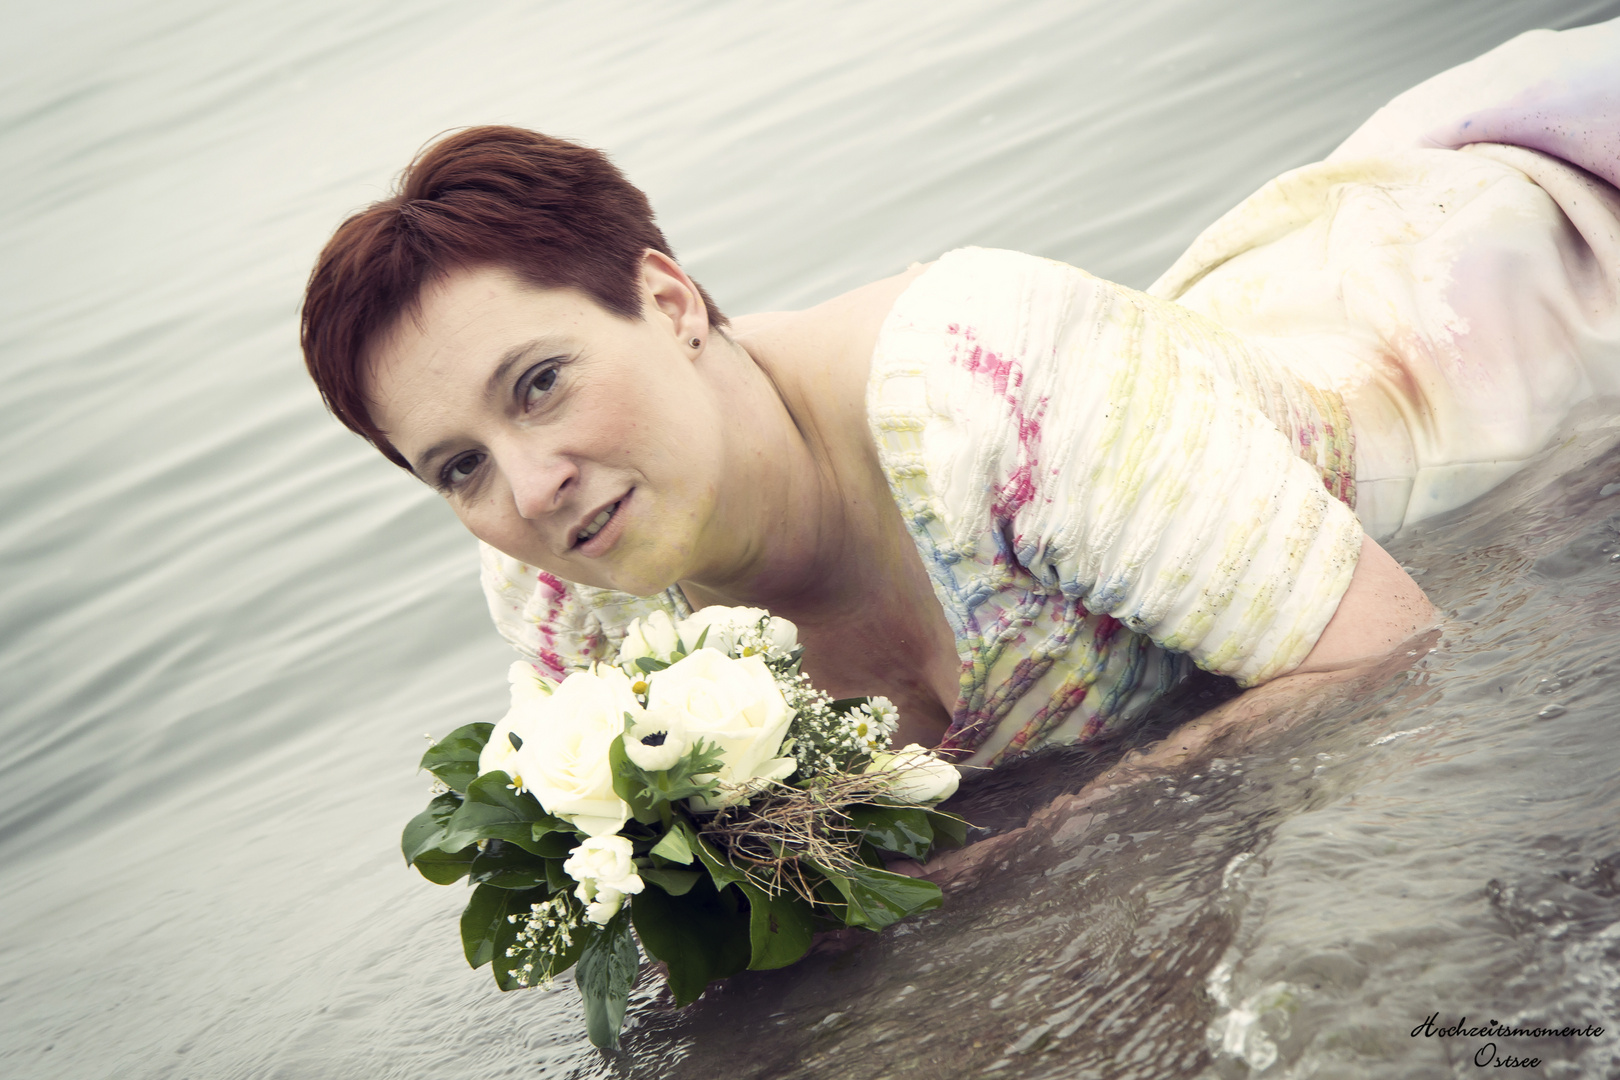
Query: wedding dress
{"x": 1108, "y": 486}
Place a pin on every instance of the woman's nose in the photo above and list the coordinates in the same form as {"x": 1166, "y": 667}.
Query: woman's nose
{"x": 540, "y": 483}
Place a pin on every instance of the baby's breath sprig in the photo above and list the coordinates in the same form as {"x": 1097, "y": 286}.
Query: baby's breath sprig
{"x": 834, "y": 736}
{"x": 546, "y": 938}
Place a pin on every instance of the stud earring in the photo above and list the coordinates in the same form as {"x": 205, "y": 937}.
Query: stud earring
{"x": 696, "y": 343}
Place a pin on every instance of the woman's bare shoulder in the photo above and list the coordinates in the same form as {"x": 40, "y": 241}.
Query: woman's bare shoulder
{"x": 819, "y": 358}
{"x": 848, "y": 323}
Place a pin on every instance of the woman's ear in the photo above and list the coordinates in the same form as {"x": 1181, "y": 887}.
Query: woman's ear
{"x": 669, "y": 293}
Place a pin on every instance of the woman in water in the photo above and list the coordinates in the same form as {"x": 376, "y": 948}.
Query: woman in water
{"x": 1018, "y": 500}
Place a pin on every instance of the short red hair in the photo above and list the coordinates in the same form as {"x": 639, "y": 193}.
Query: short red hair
{"x": 552, "y": 212}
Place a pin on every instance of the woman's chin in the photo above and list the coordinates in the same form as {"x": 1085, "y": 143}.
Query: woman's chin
{"x": 631, "y": 576}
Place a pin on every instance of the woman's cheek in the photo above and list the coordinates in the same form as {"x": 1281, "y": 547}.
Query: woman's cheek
{"x": 506, "y": 533}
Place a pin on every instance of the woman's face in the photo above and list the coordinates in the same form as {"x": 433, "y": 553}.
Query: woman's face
{"x": 566, "y": 436}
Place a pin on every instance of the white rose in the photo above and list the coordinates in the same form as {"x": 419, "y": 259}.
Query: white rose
{"x": 527, "y": 685}
{"x": 920, "y": 776}
{"x": 564, "y": 759}
{"x": 605, "y": 868}
{"x": 652, "y": 637}
{"x": 734, "y": 704}
{"x": 724, "y": 625}
{"x": 657, "y": 740}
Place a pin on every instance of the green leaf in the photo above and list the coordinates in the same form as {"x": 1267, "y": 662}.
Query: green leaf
{"x": 878, "y": 898}
{"x": 700, "y": 936}
{"x": 949, "y": 830}
{"x": 648, "y": 665}
{"x": 454, "y": 758}
{"x": 674, "y": 882}
{"x": 427, "y": 829}
{"x": 507, "y": 866}
{"x": 696, "y": 773}
{"x": 903, "y": 830}
{"x": 624, "y": 784}
{"x": 445, "y": 867}
{"x": 675, "y": 846}
{"x": 551, "y": 843}
{"x": 605, "y": 973}
{"x": 627, "y": 781}
{"x": 719, "y": 869}
{"x": 508, "y": 969}
{"x": 493, "y": 811}
{"x": 484, "y": 921}
{"x": 780, "y": 928}
{"x": 558, "y": 878}
{"x": 832, "y": 908}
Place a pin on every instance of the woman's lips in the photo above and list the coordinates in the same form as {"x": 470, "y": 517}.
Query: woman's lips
{"x": 605, "y": 537}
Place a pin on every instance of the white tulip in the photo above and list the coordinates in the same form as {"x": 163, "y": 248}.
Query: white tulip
{"x": 656, "y": 741}
{"x": 528, "y": 685}
{"x": 653, "y": 637}
{"x": 564, "y": 758}
{"x": 724, "y": 625}
{"x": 781, "y": 635}
{"x": 734, "y": 704}
{"x": 605, "y": 868}
{"x": 600, "y": 904}
{"x": 920, "y": 777}
{"x": 730, "y": 628}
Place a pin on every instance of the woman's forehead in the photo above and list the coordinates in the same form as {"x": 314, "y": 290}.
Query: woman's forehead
{"x": 463, "y": 326}
{"x": 468, "y": 306}
{"x": 446, "y": 356}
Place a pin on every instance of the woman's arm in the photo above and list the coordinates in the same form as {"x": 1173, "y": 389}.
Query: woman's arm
{"x": 1382, "y": 608}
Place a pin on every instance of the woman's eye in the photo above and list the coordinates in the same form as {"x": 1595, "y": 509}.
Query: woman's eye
{"x": 457, "y": 471}
{"x": 539, "y": 385}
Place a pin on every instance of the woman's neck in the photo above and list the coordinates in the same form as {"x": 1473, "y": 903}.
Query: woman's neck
{"x": 790, "y": 517}
{"x": 806, "y": 523}
{"x": 813, "y": 529}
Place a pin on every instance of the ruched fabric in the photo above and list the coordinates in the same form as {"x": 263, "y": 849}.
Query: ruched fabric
{"x": 557, "y": 625}
{"x": 1095, "y": 480}
{"x": 1460, "y": 294}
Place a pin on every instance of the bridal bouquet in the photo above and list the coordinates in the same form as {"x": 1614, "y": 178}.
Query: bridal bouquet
{"x": 699, "y": 795}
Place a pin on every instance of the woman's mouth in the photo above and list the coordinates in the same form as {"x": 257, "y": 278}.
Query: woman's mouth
{"x": 596, "y": 524}
{"x": 590, "y": 540}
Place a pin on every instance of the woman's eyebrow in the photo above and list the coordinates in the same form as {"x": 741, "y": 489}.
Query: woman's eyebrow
{"x": 517, "y": 354}
{"x": 421, "y": 466}
{"x": 512, "y": 357}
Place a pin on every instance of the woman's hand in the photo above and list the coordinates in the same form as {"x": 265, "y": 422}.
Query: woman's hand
{"x": 1226, "y": 730}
